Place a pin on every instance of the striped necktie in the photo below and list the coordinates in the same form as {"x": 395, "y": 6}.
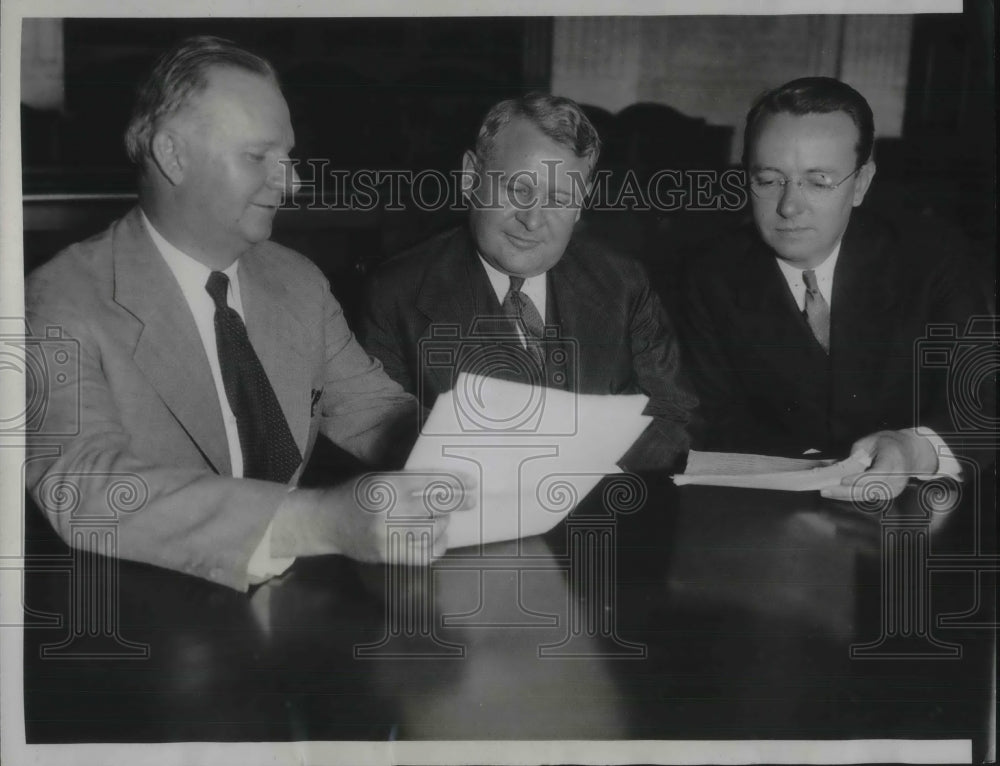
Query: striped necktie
{"x": 522, "y": 310}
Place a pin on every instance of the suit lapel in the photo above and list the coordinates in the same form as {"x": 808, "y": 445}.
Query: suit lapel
{"x": 583, "y": 316}
{"x": 168, "y": 348}
{"x": 457, "y": 294}
{"x": 782, "y": 346}
{"x": 771, "y": 315}
{"x": 862, "y": 319}
{"x": 457, "y": 301}
{"x": 278, "y": 336}
{"x": 864, "y": 295}
{"x": 457, "y": 288}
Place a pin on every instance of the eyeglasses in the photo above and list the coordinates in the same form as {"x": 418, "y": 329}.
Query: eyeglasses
{"x": 815, "y": 186}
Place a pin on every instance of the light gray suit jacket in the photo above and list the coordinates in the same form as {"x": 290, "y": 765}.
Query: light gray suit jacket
{"x": 141, "y": 405}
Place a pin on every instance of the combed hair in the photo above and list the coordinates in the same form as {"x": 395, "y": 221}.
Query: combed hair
{"x": 815, "y": 95}
{"x": 561, "y": 119}
{"x": 177, "y": 75}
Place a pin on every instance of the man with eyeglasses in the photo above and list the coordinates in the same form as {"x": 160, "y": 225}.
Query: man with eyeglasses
{"x": 801, "y": 330}
{"x": 514, "y": 295}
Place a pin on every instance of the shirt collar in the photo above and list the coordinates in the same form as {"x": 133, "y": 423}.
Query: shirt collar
{"x": 533, "y": 287}
{"x": 823, "y": 272}
{"x": 824, "y": 277}
{"x": 191, "y": 274}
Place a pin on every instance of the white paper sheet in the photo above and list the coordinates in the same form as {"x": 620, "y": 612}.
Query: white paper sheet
{"x": 736, "y": 463}
{"x": 535, "y": 452}
{"x": 723, "y": 469}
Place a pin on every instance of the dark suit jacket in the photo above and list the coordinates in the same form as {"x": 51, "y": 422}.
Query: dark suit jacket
{"x": 137, "y": 403}
{"x": 763, "y": 381}
{"x": 608, "y": 314}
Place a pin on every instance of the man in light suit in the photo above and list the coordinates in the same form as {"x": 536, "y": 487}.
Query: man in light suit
{"x": 515, "y": 279}
{"x": 802, "y": 330}
{"x": 209, "y": 357}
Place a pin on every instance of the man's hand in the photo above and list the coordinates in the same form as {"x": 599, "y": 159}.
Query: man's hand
{"x": 354, "y": 518}
{"x": 895, "y": 456}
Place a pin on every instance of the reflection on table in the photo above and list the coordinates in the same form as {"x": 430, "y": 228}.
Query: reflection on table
{"x": 695, "y": 613}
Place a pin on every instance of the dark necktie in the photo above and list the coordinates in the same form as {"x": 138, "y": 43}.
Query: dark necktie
{"x": 522, "y": 309}
{"x": 817, "y": 310}
{"x": 269, "y": 451}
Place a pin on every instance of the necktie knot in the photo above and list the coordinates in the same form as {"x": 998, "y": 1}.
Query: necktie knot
{"x": 218, "y": 287}
{"x": 809, "y": 277}
{"x": 516, "y": 283}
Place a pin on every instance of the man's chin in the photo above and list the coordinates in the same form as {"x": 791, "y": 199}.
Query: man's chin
{"x": 257, "y": 233}
{"x": 522, "y": 266}
{"x": 790, "y": 252}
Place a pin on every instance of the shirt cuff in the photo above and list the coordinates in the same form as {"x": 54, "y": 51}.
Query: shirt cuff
{"x": 948, "y": 464}
{"x": 262, "y": 565}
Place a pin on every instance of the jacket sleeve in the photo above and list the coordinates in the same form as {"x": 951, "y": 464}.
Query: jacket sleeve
{"x": 725, "y": 419}
{"x": 657, "y": 366}
{"x": 381, "y": 331}
{"x": 83, "y": 470}
{"x": 365, "y": 410}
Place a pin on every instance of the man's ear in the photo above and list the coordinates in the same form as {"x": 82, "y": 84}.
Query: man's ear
{"x": 865, "y": 176}
{"x": 586, "y": 195}
{"x": 470, "y": 172}
{"x": 168, "y": 152}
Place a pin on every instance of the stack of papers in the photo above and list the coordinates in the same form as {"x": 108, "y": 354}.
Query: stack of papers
{"x": 730, "y": 469}
{"x": 535, "y": 452}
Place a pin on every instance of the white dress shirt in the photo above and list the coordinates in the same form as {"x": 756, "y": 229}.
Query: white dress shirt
{"x": 533, "y": 287}
{"x": 824, "y": 279}
{"x": 948, "y": 465}
{"x": 192, "y": 276}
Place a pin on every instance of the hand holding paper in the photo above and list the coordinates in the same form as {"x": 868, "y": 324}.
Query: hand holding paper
{"x": 537, "y": 451}
{"x": 895, "y": 456}
{"x": 721, "y": 469}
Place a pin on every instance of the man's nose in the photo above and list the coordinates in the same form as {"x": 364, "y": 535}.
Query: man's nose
{"x": 791, "y": 202}
{"x": 284, "y": 178}
{"x": 530, "y": 217}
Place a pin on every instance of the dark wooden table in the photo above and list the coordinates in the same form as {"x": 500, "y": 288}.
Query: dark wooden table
{"x": 652, "y": 613}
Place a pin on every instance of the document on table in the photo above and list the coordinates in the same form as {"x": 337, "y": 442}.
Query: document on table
{"x": 730, "y": 469}
{"x": 536, "y": 452}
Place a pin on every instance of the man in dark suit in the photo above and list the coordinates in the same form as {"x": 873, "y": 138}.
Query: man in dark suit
{"x": 513, "y": 281}
{"x": 206, "y": 358}
{"x": 802, "y": 331}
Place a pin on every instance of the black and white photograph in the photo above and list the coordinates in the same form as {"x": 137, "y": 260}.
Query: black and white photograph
{"x": 476, "y": 383}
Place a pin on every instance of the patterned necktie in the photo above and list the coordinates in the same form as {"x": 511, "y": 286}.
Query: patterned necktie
{"x": 269, "y": 451}
{"x": 817, "y": 310}
{"x": 520, "y": 307}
